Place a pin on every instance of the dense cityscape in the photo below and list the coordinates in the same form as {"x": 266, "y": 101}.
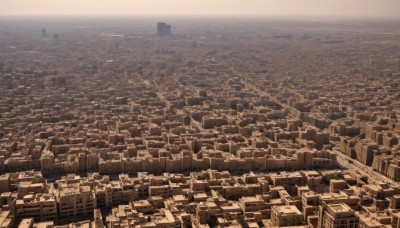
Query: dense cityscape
{"x": 224, "y": 123}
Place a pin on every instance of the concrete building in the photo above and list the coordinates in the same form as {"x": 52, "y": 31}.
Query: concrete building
{"x": 286, "y": 216}
{"x": 337, "y": 215}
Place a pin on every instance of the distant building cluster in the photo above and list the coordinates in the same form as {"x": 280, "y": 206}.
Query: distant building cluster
{"x": 281, "y": 127}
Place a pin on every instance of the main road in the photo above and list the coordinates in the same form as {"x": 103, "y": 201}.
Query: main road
{"x": 364, "y": 170}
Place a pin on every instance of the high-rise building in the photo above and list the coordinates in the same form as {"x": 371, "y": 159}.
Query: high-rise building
{"x": 163, "y": 29}
{"x": 44, "y": 32}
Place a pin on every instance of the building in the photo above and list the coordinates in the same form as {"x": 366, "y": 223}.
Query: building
{"x": 76, "y": 200}
{"x": 393, "y": 171}
{"x": 43, "y": 207}
{"x": 163, "y": 29}
{"x": 337, "y": 216}
{"x": 6, "y": 219}
{"x": 287, "y": 215}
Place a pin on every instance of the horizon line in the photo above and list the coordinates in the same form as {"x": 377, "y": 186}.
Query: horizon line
{"x": 282, "y": 16}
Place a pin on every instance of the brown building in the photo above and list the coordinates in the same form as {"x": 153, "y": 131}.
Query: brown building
{"x": 337, "y": 216}
{"x": 43, "y": 207}
{"x": 287, "y": 215}
{"x": 75, "y": 200}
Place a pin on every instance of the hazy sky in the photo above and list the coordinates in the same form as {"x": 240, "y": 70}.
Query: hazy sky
{"x": 352, "y": 8}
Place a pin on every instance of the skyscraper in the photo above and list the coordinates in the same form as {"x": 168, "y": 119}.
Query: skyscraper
{"x": 163, "y": 29}
{"x": 44, "y": 33}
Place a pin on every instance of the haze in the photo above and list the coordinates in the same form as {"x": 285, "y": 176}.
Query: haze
{"x": 346, "y": 8}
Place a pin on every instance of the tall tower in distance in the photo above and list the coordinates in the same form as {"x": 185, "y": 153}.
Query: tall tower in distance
{"x": 44, "y": 33}
{"x": 163, "y": 29}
